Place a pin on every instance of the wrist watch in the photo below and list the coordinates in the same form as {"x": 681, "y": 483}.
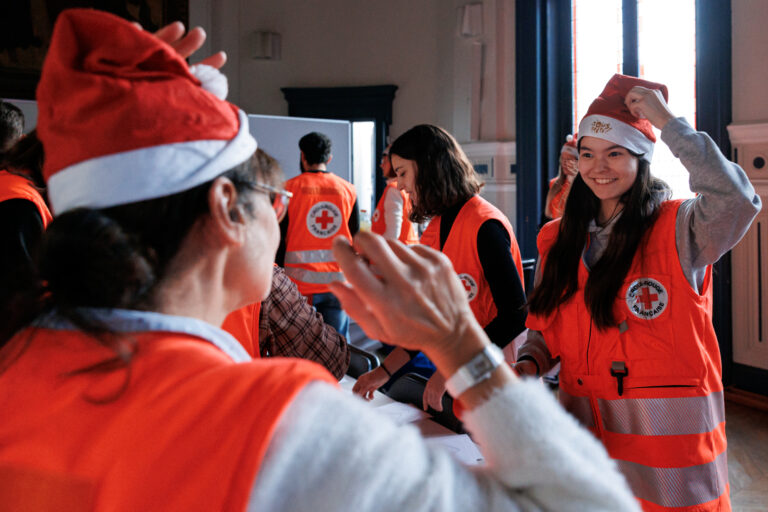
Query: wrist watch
{"x": 478, "y": 369}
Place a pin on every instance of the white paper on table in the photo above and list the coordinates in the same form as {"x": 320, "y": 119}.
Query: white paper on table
{"x": 347, "y": 383}
{"x": 401, "y": 413}
{"x": 460, "y": 446}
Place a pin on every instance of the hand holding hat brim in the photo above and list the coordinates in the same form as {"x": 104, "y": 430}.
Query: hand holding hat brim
{"x": 648, "y": 104}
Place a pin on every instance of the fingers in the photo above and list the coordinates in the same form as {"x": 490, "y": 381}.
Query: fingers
{"x": 190, "y": 43}
{"x": 357, "y": 309}
{"x": 171, "y": 32}
{"x": 217, "y": 60}
{"x": 355, "y": 269}
{"x": 381, "y": 256}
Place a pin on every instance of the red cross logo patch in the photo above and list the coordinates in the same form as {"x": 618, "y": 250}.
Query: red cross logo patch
{"x": 324, "y": 219}
{"x": 376, "y": 215}
{"x": 470, "y": 285}
{"x": 647, "y": 298}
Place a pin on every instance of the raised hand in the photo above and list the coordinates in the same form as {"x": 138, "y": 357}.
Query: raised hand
{"x": 648, "y": 104}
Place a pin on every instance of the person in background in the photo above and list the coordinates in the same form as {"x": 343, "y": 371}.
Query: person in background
{"x": 284, "y": 324}
{"x": 624, "y": 298}
{"x": 324, "y": 206}
{"x": 163, "y": 410}
{"x": 560, "y": 185}
{"x": 24, "y": 213}
{"x": 443, "y": 187}
{"x": 390, "y": 219}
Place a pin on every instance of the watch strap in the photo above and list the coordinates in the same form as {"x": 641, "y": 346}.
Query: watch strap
{"x": 478, "y": 369}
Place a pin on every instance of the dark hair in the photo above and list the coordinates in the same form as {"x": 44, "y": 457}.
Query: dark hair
{"x": 11, "y": 125}
{"x": 26, "y": 158}
{"x": 559, "y": 280}
{"x": 316, "y": 148}
{"x": 113, "y": 258}
{"x": 445, "y": 175}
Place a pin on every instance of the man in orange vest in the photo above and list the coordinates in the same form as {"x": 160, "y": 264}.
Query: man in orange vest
{"x": 323, "y": 207}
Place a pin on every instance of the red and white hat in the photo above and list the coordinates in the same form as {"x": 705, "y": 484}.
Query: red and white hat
{"x": 608, "y": 118}
{"x": 570, "y": 146}
{"x": 123, "y": 119}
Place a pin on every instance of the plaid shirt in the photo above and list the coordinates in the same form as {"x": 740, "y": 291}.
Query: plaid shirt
{"x": 290, "y": 327}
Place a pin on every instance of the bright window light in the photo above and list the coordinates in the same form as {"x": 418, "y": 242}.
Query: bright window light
{"x": 597, "y": 55}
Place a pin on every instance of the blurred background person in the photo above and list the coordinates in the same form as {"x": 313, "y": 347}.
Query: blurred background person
{"x": 391, "y": 216}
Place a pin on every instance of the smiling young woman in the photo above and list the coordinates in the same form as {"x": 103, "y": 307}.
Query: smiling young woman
{"x": 623, "y": 298}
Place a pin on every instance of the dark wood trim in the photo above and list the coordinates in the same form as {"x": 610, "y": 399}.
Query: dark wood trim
{"x": 631, "y": 64}
{"x": 713, "y": 115}
{"x": 21, "y": 83}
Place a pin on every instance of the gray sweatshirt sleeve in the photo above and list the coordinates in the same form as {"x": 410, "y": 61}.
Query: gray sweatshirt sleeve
{"x": 710, "y": 224}
{"x": 335, "y": 452}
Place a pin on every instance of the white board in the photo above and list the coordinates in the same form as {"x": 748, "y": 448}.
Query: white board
{"x": 279, "y": 136}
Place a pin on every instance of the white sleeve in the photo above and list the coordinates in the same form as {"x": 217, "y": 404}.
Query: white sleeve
{"x": 332, "y": 451}
{"x": 393, "y": 219}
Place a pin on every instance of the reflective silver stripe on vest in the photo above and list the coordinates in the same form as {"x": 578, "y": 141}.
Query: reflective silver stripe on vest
{"x": 318, "y": 256}
{"x": 308, "y": 276}
{"x": 579, "y": 407}
{"x": 663, "y": 416}
{"x": 677, "y": 487}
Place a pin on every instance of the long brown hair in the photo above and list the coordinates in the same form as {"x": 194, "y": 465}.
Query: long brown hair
{"x": 445, "y": 175}
{"x": 560, "y": 276}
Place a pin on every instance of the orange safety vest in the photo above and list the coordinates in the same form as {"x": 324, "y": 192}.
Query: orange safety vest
{"x": 557, "y": 204}
{"x": 243, "y": 324}
{"x": 13, "y": 186}
{"x": 650, "y": 388}
{"x": 319, "y": 212}
{"x": 185, "y": 428}
{"x": 461, "y": 249}
{"x": 379, "y": 223}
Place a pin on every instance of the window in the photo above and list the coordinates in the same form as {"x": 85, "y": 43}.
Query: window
{"x": 599, "y": 51}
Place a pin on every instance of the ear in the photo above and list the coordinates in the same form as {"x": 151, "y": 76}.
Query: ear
{"x": 227, "y": 220}
{"x": 329, "y": 159}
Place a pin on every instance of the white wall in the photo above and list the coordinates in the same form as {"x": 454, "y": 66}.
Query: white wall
{"x": 409, "y": 43}
{"x": 750, "y": 72}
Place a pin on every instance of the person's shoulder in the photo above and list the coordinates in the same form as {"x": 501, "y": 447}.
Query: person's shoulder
{"x": 549, "y": 230}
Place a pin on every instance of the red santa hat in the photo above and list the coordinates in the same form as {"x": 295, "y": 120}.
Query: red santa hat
{"x": 608, "y": 118}
{"x": 123, "y": 119}
{"x": 570, "y": 146}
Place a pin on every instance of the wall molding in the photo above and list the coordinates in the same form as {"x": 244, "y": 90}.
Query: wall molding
{"x": 748, "y": 133}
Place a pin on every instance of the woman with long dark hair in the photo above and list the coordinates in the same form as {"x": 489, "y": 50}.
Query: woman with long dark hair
{"x": 624, "y": 298}
{"x": 478, "y": 239}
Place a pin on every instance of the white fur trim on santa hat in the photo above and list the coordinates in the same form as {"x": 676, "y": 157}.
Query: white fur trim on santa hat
{"x": 147, "y": 173}
{"x": 212, "y": 80}
{"x": 619, "y": 132}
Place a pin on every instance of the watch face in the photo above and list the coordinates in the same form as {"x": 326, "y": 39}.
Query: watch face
{"x": 481, "y": 366}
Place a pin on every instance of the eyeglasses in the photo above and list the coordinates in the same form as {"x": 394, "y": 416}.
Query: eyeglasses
{"x": 278, "y": 196}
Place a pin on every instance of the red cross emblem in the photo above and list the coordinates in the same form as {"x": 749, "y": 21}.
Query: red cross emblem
{"x": 647, "y": 298}
{"x": 324, "y": 220}
{"x": 470, "y": 286}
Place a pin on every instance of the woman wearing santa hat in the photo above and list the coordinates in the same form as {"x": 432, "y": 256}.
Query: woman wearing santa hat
{"x": 624, "y": 298}
{"x": 560, "y": 185}
{"x": 122, "y": 394}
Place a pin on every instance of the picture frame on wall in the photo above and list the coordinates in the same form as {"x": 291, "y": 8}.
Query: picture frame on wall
{"x": 26, "y": 27}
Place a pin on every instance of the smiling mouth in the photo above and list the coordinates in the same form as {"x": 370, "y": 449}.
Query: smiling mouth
{"x": 604, "y": 181}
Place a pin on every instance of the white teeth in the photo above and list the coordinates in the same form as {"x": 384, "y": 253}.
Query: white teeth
{"x": 604, "y": 181}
